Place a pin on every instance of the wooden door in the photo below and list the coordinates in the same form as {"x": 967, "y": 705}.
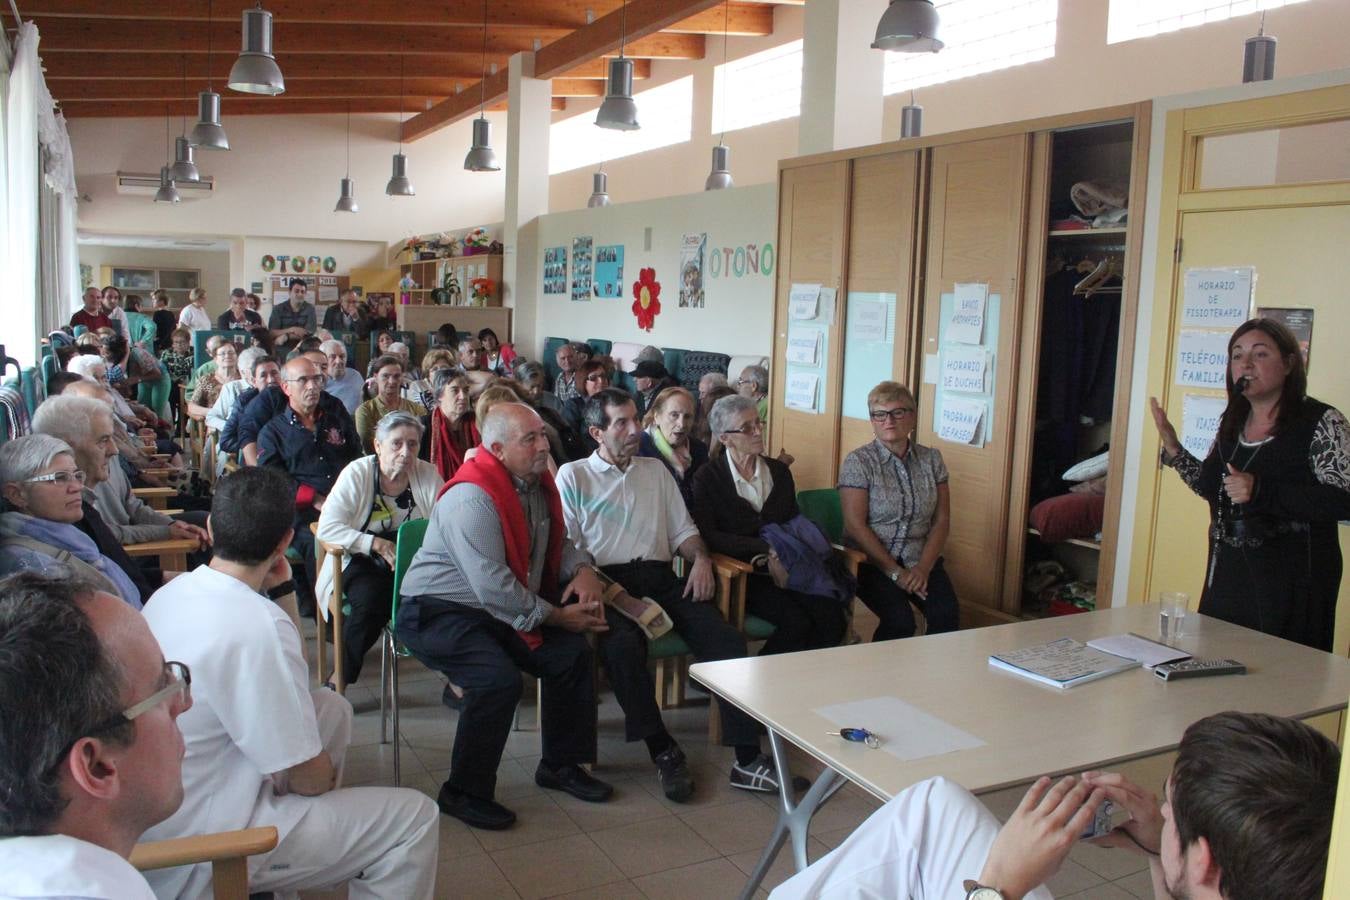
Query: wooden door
{"x": 883, "y": 222}
{"x": 812, "y": 241}
{"x": 977, "y": 211}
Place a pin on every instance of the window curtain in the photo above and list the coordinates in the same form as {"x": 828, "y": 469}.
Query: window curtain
{"x": 39, "y": 264}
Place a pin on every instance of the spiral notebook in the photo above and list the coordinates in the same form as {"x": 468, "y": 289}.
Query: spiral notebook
{"x": 1063, "y": 663}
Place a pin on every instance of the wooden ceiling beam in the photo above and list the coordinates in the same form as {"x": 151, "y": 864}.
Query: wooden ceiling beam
{"x": 338, "y": 88}
{"x": 247, "y": 106}
{"x": 578, "y": 87}
{"x": 739, "y": 20}
{"x": 747, "y": 18}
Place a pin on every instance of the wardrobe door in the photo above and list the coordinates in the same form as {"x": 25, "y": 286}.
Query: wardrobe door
{"x": 883, "y": 221}
{"x": 977, "y": 210}
{"x": 812, "y": 241}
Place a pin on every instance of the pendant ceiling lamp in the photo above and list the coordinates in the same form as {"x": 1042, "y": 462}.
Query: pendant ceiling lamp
{"x": 399, "y": 184}
{"x": 619, "y": 112}
{"x": 1258, "y": 56}
{"x": 208, "y": 133}
{"x": 719, "y": 178}
{"x": 184, "y": 167}
{"x": 911, "y": 119}
{"x": 600, "y": 190}
{"x": 168, "y": 192}
{"x": 347, "y": 195}
{"x": 480, "y": 157}
{"x": 256, "y": 70}
{"x": 910, "y": 26}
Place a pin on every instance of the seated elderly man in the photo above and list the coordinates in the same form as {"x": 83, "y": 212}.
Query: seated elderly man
{"x": 754, "y": 384}
{"x": 90, "y": 755}
{"x": 565, "y": 387}
{"x": 218, "y": 415}
{"x": 497, "y": 588}
{"x": 260, "y": 747}
{"x": 311, "y": 444}
{"x": 471, "y": 355}
{"x": 264, "y": 373}
{"x": 344, "y": 382}
{"x": 272, "y": 401}
{"x": 388, "y": 398}
{"x": 627, "y": 512}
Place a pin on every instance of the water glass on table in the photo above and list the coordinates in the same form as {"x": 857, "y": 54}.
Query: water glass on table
{"x": 1172, "y": 615}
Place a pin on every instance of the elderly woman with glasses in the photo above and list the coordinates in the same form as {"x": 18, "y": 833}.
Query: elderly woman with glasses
{"x": 40, "y": 526}
{"x": 736, "y": 495}
{"x": 372, "y": 497}
{"x": 897, "y": 510}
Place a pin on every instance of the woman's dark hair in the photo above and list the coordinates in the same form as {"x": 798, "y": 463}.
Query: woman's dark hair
{"x": 484, "y": 332}
{"x": 447, "y": 336}
{"x": 116, "y": 345}
{"x": 1295, "y": 383}
{"x": 261, "y": 337}
{"x": 133, "y": 303}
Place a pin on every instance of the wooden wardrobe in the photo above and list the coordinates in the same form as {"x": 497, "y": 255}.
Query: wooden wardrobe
{"x": 912, "y": 219}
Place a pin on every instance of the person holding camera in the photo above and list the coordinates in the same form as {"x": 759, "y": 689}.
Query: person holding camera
{"x": 372, "y": 497}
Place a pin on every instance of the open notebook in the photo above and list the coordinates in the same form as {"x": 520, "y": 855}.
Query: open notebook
{"x": 1063, "y": 663}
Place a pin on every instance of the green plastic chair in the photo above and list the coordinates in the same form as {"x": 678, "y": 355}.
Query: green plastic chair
{"x": 410, "y": 537}
{"x": 822, "y": 506}
{"x": 199, "y": 339}
{"x": 550, "y": 358}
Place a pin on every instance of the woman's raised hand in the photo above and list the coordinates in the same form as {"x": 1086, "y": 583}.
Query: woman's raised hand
{"x": 1171, "y": 445}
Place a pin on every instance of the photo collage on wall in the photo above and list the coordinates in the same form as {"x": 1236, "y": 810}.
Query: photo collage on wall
{"x": 609, "y": 272}
{"x": 692, "y": 251}
{"x": 581, "y": 268}
{"x": 555, "y": 270}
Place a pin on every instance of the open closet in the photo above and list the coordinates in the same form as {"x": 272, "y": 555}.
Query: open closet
{"x": 1075, "y": 369}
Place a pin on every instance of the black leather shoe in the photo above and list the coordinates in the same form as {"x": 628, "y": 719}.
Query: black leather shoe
{"x": 474, "y": 811}
{"x": 672, "y": 770}
{"x": 574, "y": 780}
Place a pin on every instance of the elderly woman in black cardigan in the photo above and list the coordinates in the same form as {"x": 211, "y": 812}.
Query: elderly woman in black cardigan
{"x": 737, "y": 493}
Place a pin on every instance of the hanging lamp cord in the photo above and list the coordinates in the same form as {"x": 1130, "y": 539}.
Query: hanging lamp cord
{"x": 482, "y": 82}
{"x": 726, "y": 26}
{"x": 209, "y": 22}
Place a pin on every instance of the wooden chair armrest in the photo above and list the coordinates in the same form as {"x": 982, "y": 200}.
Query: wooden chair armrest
{"x": 158, "y": 548}
{"x": 147, "y": 492}
{"x": 171, "y": 512}
{"x": 200, "y": 848}
{"x": 730, "y": 566}
{"x": 731, "y": 578}
{"x": 852, "y": 558}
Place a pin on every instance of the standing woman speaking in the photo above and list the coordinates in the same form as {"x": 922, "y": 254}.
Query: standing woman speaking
{"x": 1277, "y": 479}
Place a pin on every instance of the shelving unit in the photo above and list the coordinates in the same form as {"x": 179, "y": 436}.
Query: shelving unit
{"x": 143, "y": 280}
{"x": 1077, "y": 542}
{"x": 1086, "y": 232}
{"x": 430, "y": 273}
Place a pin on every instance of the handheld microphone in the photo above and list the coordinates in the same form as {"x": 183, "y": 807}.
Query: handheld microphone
{"x": 1240, "y": 385}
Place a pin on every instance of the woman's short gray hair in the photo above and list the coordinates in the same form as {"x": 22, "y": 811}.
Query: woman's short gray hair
{"x": 69, "y": 417}
{"x": 722, "y": 418}
{"x": 248, "y": 358}
{"x": 330, "y": 345}
{"x": 399, "y": 348}
{"x": 443, "y": 378}
{"x": 527, "y": 370}
{"x": 395, "y": 420}
{"x": 83, "y": 364}
{"x": 24, "y": 457}
{"x": 759, "y": 375}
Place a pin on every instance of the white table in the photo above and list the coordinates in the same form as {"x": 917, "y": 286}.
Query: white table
{"x": 1028, "y": 729}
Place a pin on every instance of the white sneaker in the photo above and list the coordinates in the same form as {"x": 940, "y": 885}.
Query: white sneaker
{"x": 757, "y": 775}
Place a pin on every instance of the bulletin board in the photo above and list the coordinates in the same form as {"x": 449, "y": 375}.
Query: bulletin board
{"x": 869, "y": 352}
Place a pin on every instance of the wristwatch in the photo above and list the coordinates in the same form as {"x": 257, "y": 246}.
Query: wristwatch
{"x": 894, "y": 577}
{"x": 977, "y": 891}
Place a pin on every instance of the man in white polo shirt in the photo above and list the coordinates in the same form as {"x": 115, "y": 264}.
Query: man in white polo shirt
{"x": 261, "y": 748}
{"x": 627, "y": 512}
{"x": 89, "y": 752}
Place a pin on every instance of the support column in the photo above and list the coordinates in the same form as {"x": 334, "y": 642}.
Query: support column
{"x": 841, "y": 75}
{"x": 529, "y": 115}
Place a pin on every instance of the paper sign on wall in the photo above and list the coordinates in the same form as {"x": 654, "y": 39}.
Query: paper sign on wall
{"x": 803, "y": 346}
{"x": 801, "y": 391}
{"x": 963, "y": 368}
{"x": 959, "y": 420}
{"x": 1217, "y": 298}
{"x": 1200, "y": 422}
{"x": 867, "y": 321}
{"x": 826, "y": 310}
{"x": 1202, "y": 359}
{"x": 804, "y": 301}
{"x": 967, "y": 324}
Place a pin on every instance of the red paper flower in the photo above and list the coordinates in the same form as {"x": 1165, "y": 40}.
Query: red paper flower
{"x": 646, "y": 299}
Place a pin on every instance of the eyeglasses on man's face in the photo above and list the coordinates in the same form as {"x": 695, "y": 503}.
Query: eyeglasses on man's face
{"x": 755, "y": 427}
{"x": 894, "y": 415}
{"x": 179, "y": 679}
{"x": 62, "y": 478}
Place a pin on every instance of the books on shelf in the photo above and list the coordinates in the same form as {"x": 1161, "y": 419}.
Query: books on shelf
{"x": 1063, "y": 663}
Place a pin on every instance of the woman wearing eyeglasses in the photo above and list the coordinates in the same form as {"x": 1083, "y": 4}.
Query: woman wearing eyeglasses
{"x": 43, "y": 502}
{"x": 739, "y": 492}
{"x": 897, "y": 510}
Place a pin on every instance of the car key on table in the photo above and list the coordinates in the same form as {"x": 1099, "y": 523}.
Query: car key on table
{"x": 1197, "y": 668}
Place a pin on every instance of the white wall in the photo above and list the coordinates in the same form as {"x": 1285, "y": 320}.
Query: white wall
{"x": 737, "y": 317}
{"x": 214, "y": 266}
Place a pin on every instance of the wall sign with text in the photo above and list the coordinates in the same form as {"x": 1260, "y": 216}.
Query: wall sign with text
{"x": 299, "y": 264}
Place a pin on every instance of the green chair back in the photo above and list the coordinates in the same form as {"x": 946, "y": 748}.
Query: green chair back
{"x": 673, "y": 358}
{"x": 600, "y": 346}
{"x": 50, "y": 366}
{"x": 199, "y": 339}
{"x": 550, "y": 358}
{"x": 822, "y": 507}
{"x": 410, "y": 537}
{"x": 33, "y": 388}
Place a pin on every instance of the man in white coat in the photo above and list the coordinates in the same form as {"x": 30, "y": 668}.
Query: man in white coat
{"x": 261, "y": 748}
{"x": 89, "y": 749}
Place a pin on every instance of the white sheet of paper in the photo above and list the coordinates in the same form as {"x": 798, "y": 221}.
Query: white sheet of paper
{"x": 826, "y": 312}
{"x": 280, "y": 296}
{"x": 930, "y": 368}
{"x": 1147, "y": 653}
{"x": 328, "y": 293}
{"x": 804, "y": 301}
{"x": 959, "y": 420}
{"x": 906, "y": 731}
{"x": 967, "y": 324}
{"x": 963, "y": 368}
{"x": 1217, "y": 298}
{"x": 1202, "y": 359}
{"x": 1200, "y": 422}
{"x": 868, "y": 321}
{"x": 801, "y": 391}
{"x": 804, "y": 346}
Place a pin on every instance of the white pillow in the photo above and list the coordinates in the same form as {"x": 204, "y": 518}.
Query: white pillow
{"x": 1088, "y": 469}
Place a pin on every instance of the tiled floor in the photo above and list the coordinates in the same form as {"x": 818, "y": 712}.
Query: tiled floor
{"x": 638, "y": 845}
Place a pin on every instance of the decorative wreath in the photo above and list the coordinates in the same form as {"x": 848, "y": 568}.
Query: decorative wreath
{"x": 646, "y": 299}
{"x": 269, "y": 262}
{"x": 329, "y": 265}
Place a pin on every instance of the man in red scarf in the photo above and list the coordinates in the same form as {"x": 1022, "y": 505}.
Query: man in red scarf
{"x": 485, "y": 599}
